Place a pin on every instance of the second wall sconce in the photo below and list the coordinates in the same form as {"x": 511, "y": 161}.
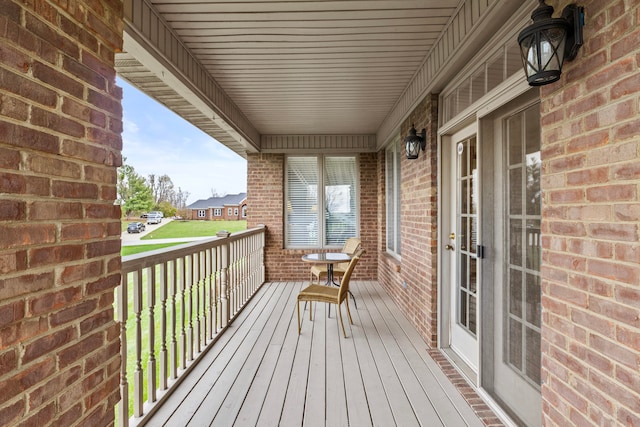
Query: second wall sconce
{"x": 413, "y": 142}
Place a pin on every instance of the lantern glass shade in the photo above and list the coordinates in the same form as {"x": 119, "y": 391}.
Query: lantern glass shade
{"x": 413, "y": 147}
{"x": 543, "y": 51}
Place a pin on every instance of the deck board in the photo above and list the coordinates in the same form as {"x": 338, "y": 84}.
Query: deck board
{"x": 261, "y": 372}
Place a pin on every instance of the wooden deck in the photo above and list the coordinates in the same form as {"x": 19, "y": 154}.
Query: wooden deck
{"x": 261, "y": 373}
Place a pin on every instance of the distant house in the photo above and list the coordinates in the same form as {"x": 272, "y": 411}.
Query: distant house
{"x": 229, "y": 207}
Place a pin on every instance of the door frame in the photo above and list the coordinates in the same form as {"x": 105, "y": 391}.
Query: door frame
{"x": 514, "y": 88}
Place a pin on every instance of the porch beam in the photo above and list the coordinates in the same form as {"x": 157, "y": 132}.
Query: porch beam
{"x": 149, "y": 40}
{"x": 315, "y": 143}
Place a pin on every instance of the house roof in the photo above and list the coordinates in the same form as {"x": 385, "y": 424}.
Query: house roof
{"x": 219, "y": 202}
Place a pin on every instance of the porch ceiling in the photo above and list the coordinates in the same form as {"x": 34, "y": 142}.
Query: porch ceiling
{"x": 242, "y": 69}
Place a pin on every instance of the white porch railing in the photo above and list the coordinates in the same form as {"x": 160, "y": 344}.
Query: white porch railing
{"x": 171, "y": 304}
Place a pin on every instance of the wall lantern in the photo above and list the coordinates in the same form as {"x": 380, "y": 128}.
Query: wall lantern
{"x": 548, "y": 42}
{"x": 414, "y": 143}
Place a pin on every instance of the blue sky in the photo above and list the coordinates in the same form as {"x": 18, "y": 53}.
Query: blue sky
{"x": 157, "y": 141}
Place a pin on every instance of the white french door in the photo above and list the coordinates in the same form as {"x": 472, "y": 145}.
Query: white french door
{"x": 461, "y": 249}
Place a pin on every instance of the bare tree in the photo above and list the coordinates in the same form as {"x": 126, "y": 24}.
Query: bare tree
{"x": 162, "y": 188}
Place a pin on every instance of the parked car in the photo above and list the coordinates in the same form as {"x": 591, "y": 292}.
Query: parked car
{"x": 154, "y": 219}
{"x": 135, "y": 227}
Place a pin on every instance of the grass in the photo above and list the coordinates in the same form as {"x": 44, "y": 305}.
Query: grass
{"x": 177, "y": 229}
{"x": 131, "y": 250}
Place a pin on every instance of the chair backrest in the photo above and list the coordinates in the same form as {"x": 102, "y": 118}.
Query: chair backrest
{"x": 351, "y": 245}
{"x": 344, "y": 283}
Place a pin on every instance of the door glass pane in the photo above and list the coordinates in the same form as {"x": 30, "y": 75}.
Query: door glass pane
{"x": 522, "y": 280}
{"x": 467, "y": 234}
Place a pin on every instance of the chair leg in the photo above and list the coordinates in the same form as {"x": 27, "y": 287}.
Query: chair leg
{"x": 299, "y": 327}
{"x": 348, "y": 311}
{"x": 340, "y": 317}
{"x": 310, "y": 310}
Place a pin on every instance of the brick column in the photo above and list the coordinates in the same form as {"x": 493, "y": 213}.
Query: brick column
{"x": 60, "y": 144}
{"x": 591, "y": 225}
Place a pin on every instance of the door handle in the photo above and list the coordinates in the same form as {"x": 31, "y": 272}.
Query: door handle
{"x": 449, "y": 247}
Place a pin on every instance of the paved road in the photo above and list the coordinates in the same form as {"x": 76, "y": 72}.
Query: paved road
{"x": 133, "y": 239}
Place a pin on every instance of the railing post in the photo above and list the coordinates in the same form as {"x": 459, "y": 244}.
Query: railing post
{"x": 224, "y": 270}
{"x": 123, "y": 315}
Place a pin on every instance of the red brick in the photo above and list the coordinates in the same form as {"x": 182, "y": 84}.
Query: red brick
{"x": 102, "y": 248}
{"x": 74, "y": 190}
{"x": 106, "y": 138}
{"x": 58, "y": 80}
{"x": 24, "y": 137}
{"x": 102, "y": 175}
{"x": 9, "y": 159}
{"x": 83, "y": 151}
{"x": 55, "y": 255}
{"x": 42, "y": 417}
{"x": 84, "y": 73}
{"x": 19, "y": 85}
{"x": 11, "y": 313}
{"x": 96, "y": 321}
{"x": 26, "y": 235}
{"x": 25, "y": 379}
{"x": 85, "y": 38}
{"x": 59, "y": 210}
{"x": 614, "y": 232}
{"x": 48, "y": 302}
{"x": 102, "y": 211}
{"x": 85, "y": 271}
{"x": 103, "y": 284}
{"x": 57, "y": 123}
{"x": 627, "y": 130}
{"x": 628, "y": 86}
{"x": 104, "y": 102}
{"x": 48, "y": 343}
{"x": 625, "y": 46}
{"x": 52, "y": 166}
{"x": 12, "y": 413}
{"x": 80, "y": 349}
{"x": 616, "y": 310}
{"x": 604, "y": 77}
{"x": 12, "y": 210}
{"x": 8, "y": 362}
{"x": 13, "y": 108}
{"x": 588, "y": 176}
{"x": 611, "y": 193}
{"x": 628, "y": 337}
{"x": 49, "y": 36}
{"x": 612, "y": 270}
{"x": 73, "y": 313}
{"x": 70, "y": 416}
{"x": 567, "y": 196}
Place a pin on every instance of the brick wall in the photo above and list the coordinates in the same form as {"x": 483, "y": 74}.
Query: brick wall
{"x": 591, "y": 270}
{"x": 413, "y": 282}
{"x": 60, "y": 125}
{"x": 265, "y": 198}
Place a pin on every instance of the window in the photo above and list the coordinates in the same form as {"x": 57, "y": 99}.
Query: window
{"x": 321, "y": 201}
{"x": 244, "y": 211}
{"x": 235, "y": 212}
{"x": 229, "y": 211}
{"x": 392, "y": 179}
{"x": 202, "y": 213}
{"x": 217, "y": 212}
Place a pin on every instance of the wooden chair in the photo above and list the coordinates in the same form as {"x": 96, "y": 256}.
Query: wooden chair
{"x": 351, "y": 245}
{"x": 330, "y": 294}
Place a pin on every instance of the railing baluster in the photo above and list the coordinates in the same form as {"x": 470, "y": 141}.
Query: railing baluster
{"x": 151, "y": 364}
{"x": 189, "y": 273}
{"x": 138, "y": 386}
{"x": 163, "y": 276}
{"x": 183, "y": 312}
{"x": 173, "y": 294}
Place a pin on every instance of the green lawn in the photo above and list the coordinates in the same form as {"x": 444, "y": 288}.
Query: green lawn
{"x": 131, "y": 250}
{"x": 177, "y": 229}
